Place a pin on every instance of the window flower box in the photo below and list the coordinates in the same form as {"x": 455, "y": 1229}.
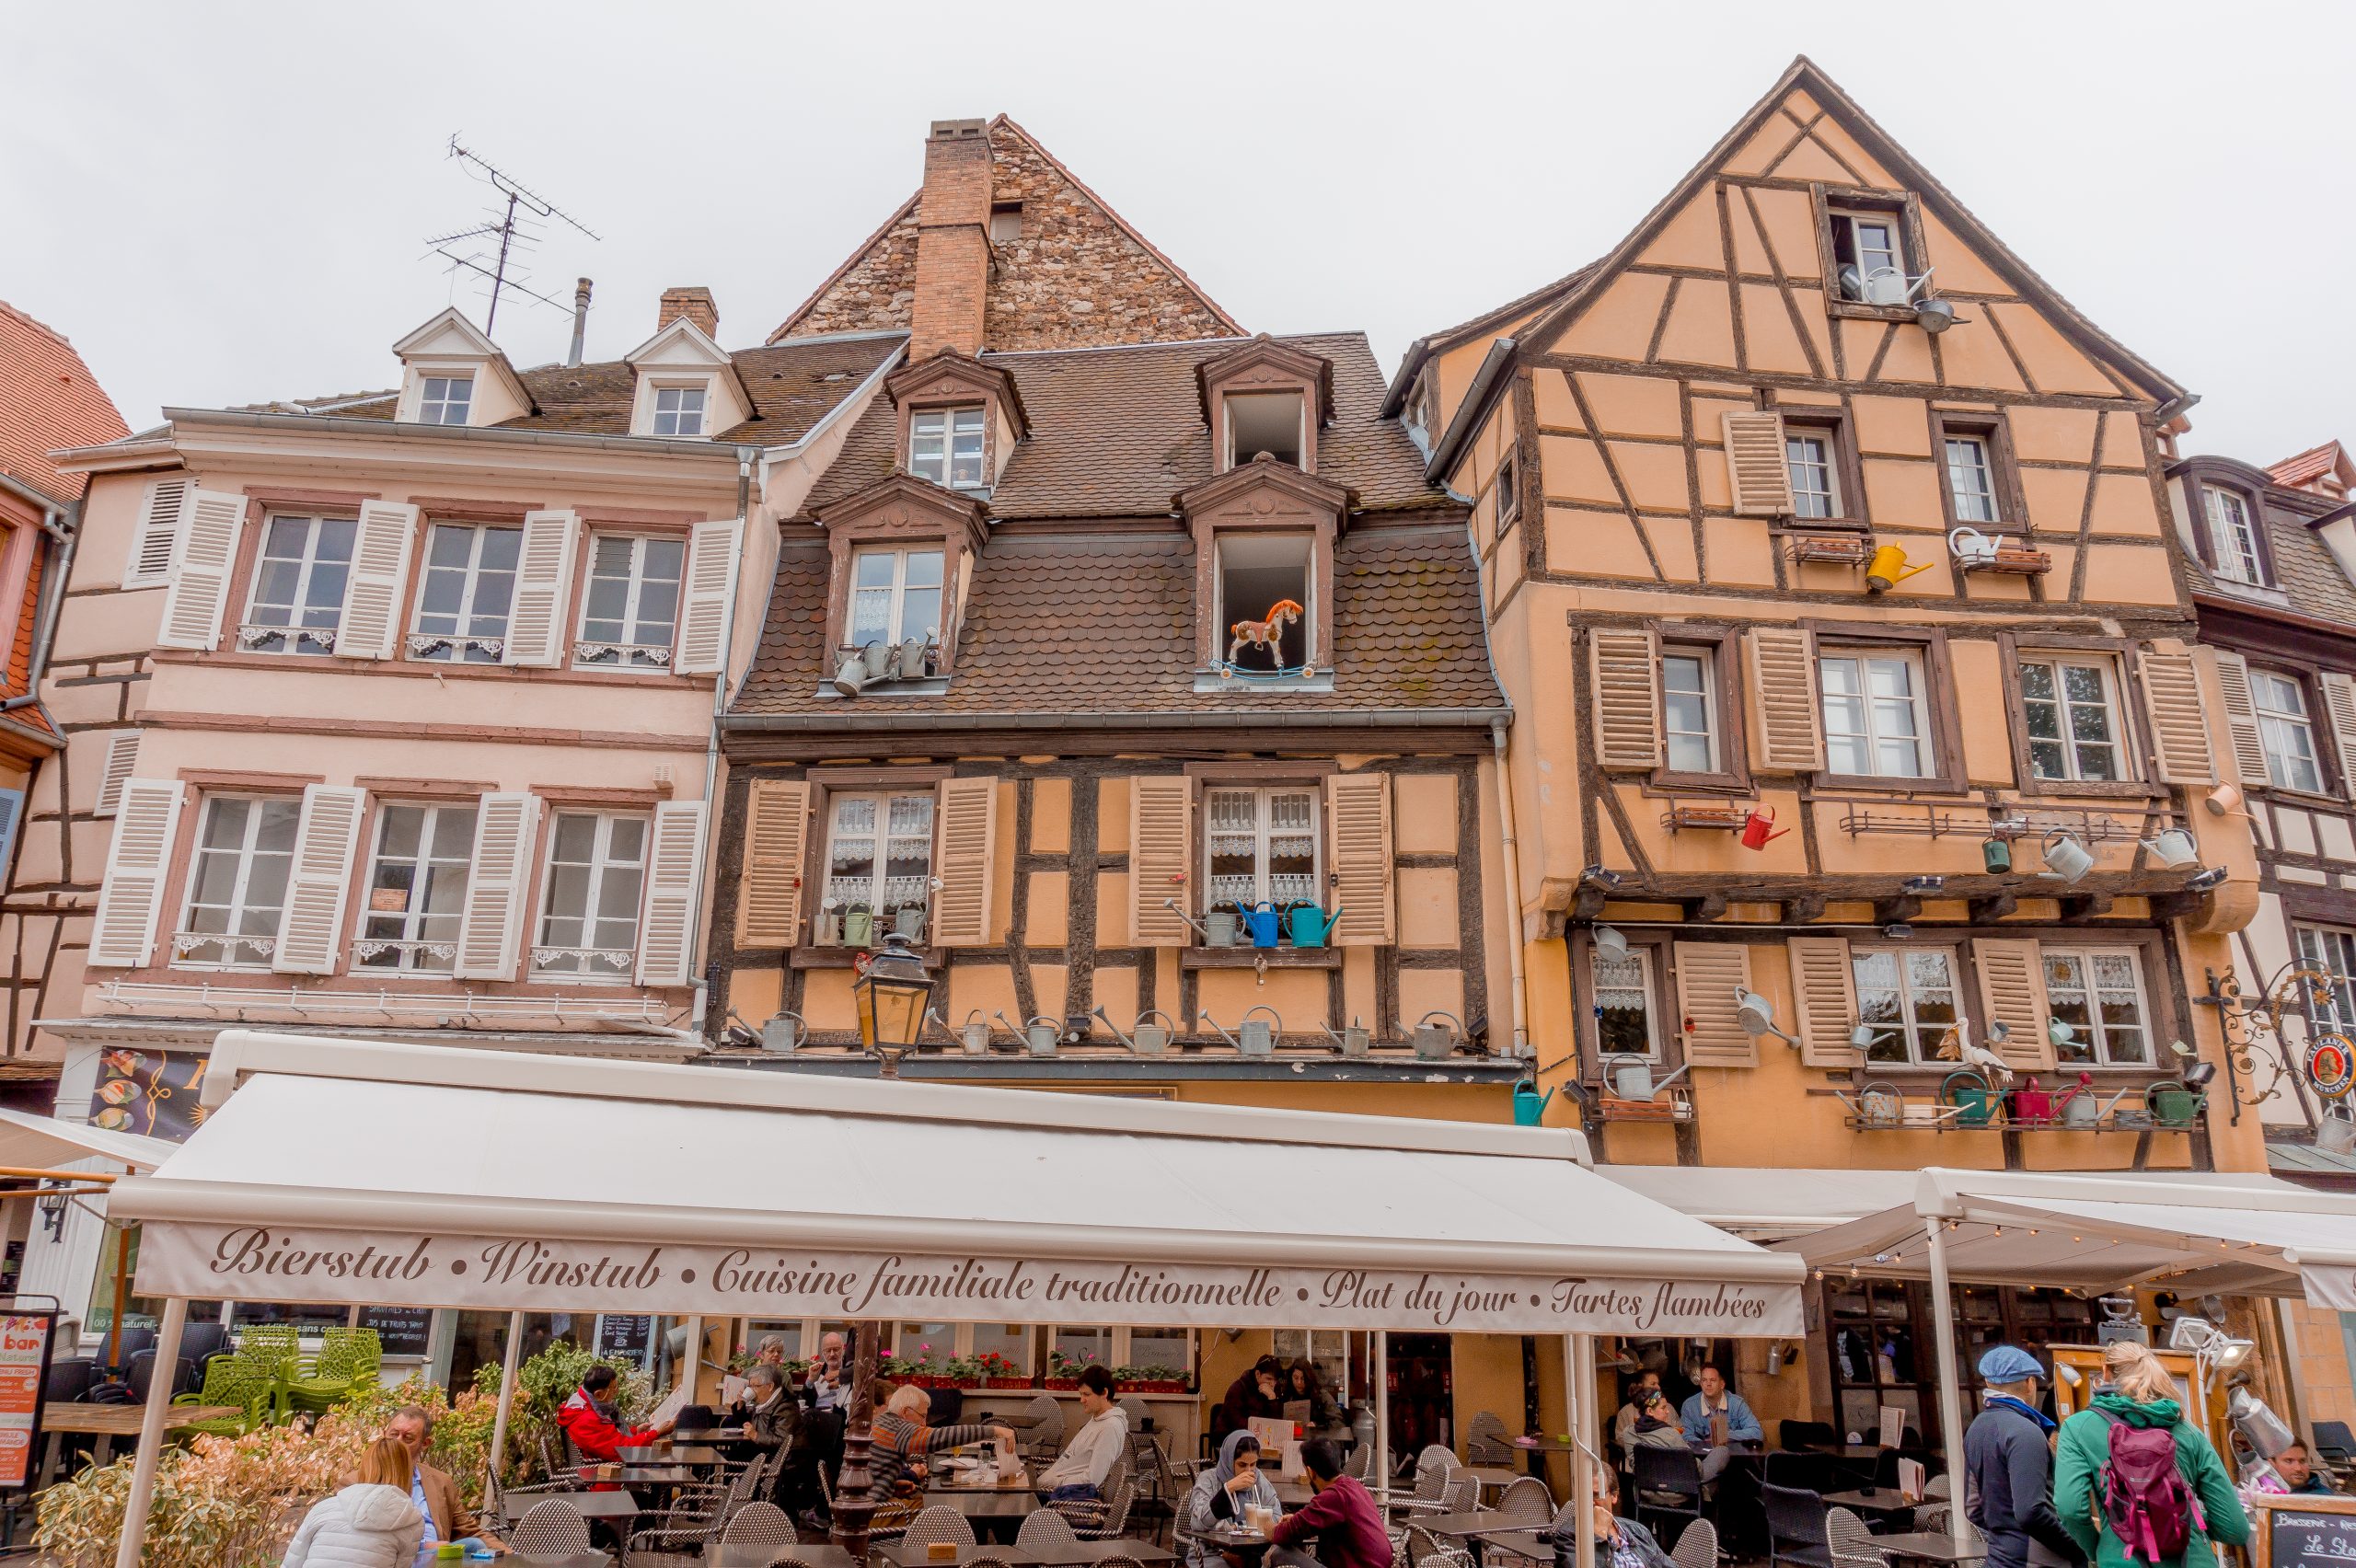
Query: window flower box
{"x": 1724, "y": 816}
{"x": 1828, "y": 549}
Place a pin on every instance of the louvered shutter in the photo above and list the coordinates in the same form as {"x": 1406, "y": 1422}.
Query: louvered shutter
{"x": 1824, "y": 991}
{"x": 370, "y": 625}
{"x": 1708, "y": 976}
{"x": 121, "y": 761}
{"x": 1358, "y": 810}
{"x": 310, "y": 924}
{"x": 490, "y": 932}
{"x": 206, "y": 556}
{"x": 1624, "y": 674}
{"x": 768, "y": 892}
{"x": 536, "y": 617}
{"x": 1162, "y": 844}
{"x": 161, "y": 516}
{"x": 12, "y": 812}
{"x": 666, "y": 928}
{"x": 1762, "y": 484}
{"x": 2339, "y": 703}
{"x": 2241, "y": 718}
{"x": 123, "y": 933}
{"x": 2012, "y": 992}
{"x": 1786, "y": 731}
{"x": 2178, "y": 716}
{"x": 965, "y": 862}
{"x": 713, "y": 550}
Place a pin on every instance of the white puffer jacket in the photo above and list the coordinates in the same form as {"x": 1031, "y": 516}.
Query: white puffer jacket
{"x": 361, "y": 1526}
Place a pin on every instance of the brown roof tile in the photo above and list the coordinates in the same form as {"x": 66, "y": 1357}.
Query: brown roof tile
{"x": 2313, "y": 463}
{"x": 52, "y": 402}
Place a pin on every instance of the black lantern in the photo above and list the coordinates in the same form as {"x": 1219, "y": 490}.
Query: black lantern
{"x": 891, "y": 994}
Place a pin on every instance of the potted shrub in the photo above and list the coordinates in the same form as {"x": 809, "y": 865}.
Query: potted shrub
{"x": 1063, "y": 1371}
{"x": 962, "y": 1372}
{"x": 1154, "y": 1379}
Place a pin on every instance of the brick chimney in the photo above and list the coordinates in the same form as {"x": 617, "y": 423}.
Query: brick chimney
{"x": 696, "y": 305}
{"x": 952, "y": 239}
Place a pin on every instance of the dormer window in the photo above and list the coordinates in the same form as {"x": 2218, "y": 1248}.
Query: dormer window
{"x": 945, "y": 445}
{"x": 1266, "y": 422}
{"x": 1265, "y": 600}
{"x": 679, "y": 411}
{"x": 894, "y": 595}
{"x": 2232, "y": 534}
{"x": 445, "y": 399}
{"x": 454, "y": 377}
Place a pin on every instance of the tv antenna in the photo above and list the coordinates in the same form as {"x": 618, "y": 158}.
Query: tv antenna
{"x": 515, "y": 220}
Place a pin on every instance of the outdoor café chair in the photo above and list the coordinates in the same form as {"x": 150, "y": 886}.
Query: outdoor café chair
{"x": 1118, "y": 1560}
{"x": 1359, "y": 1466}
{"x": 787, "y": 1560}
{"x": 1424, "y": 1550}
{"x": 1668, "y": 1485}
{"x": 1044, "y": 1529}
{"x": 1697, "y": 1547}
{"x": 1116, "y": 1517}
{"x": 939, "y": 1524}
{"x": 551, "y": 1529}
{"x": 1461, "y": 1494}
{"x": 1525, "y": 1499}
{"x": 988, "y": 1563}
{"x": 1042, "y": 1421}
{"x": 1429, "y": 1496}
{"x": 759, "y": 1524}
{"x": 2335, "y": 1445}
{"x": 1850, "y": 1543}
{"x": 238, "y": 1380}
{"x": 676, "y": 1537}
{"x": 1485, "y": 1444}
{"x": 1435, "y": 1457}
{"x": 1796, "y": 1527}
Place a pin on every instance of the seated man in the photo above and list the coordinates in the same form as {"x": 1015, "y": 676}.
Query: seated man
{"x": 1714, "y": 1417}
{"x": 2298, "y": 1471}
{"x": 770, "y": 1415}
{"x": 903, "y": 1436}
{"x": 1619, "y": 1543}
{"x": 1074, "y": 1484}
{"x": 430, "y": 1491}
{"x": 1340, "y": 1512}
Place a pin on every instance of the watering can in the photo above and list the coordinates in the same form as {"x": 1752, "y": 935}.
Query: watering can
{"x": 1220, "y": 927}
{"x": 2172, "y": 1104}
{"x": 829, "y": 932}
{"x": 908, "y": 921}
{"x": 1758, "y": 828}
{"x": 1974, "y": 1101}
{"x": 1880, "y": 1105}
{"x": 1888, "y": 569}
{"x": 907, "y": 659}
{"x": 859, "y": 926}
{"x": 1435, "y": 1042}
{"x": 2032, "y": 1106}
{"x": 783, "y": 1032}
{"x": 1039, "y": 1033}
{"x": 878, "y": 658}
{"x": 1529, "y": 1105}
{"x": 976, "y": 1033}
{"x": 1263, "y": 923}
{"x": 1310, "y": 926}
{"x": 1151, "y": 1039}
{"x": 1352, "y": 1041}
{"x": 1631, "y": 1077}
{"x": 1259, "y": 1035}
{"x": 2081, "y": 1107}
{"x": 2173, "y": 848}
{"x": 1995, "y": 856}
{"x": 2066, "y": 860}
{"x": 1971, "y": 547}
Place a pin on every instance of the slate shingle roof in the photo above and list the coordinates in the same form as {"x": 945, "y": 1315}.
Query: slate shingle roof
{"x": 2304, "y": 569}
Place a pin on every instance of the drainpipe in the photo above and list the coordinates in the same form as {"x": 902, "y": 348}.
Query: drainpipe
{"x": 718, "y": 710}
{"x": 1513, "y": 889}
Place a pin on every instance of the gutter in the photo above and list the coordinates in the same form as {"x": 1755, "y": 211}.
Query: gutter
{"x": 700, "y": 934}
{"x": 81, "y": 457}
{"x": 916, "y": 720}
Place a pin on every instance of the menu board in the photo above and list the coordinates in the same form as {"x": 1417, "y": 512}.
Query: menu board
{"x": 626, "y": 1336}
{"x": 403, "y": 1331}
{"x": 24, "y": 1363}
{"x": 2304, "y": 1532}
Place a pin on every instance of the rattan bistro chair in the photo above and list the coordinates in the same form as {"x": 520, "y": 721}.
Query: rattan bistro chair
{"x": 1850, "y": 1543}
{"x": 941, "y": 1524}
{"x": 1697, "y": 1547}
{"x": 1044, "y": 1529}
{"x": 759, "y": 1524}
{"x": 551, "y": 1529}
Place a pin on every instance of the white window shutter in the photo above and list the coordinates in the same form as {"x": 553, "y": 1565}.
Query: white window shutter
{"x": 768, "y": 892}
{"x": 964, "y": 861}
{"x": 123, "y": 933}
{"x": 713, "y": 552}
{"x": 2012, "y": 992}
{"x": 1623, "y": 671}
{"x": 1786, "y": 730}
{"x": 1824, "y": 989}
{"x": 121, "y": 761}
{"x": 370, "y": 625}
{"x": 206, "y": 558}
{"x": 1762, "y": 483}
{"x": 666, "y": 926}
{"x": 2241, "y": 718}
{"x": 1162, "y": 853}
{"x": 1358, "y": 826}
{"x": 1708, "y": 976}
{"x": 162, "y": 515}
{"x": 2340, "y": 704}
{"x": 310, "y": 925}
{"x": 491, "y": 933}
{"x": 2178, "y": 715}
{"x": 535, "y": 617}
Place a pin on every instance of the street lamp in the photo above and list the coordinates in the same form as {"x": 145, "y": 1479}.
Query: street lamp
{"x": 891, "y": 993}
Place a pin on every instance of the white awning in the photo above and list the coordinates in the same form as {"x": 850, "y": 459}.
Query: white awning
{"x": 41, "y": 1143}
{"x": 364, "y": 1171}
{"x": 1765, "y": 1202}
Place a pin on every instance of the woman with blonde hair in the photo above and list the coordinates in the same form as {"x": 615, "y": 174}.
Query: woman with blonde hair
{"x": 369, "y": 1523}
{"x": 2135, "y": 1483}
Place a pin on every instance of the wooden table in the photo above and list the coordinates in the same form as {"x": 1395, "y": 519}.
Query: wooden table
{"x": 698, "y": 1454}
{"x": 1077, "y": 1555}
{"x": 109, "y": 1422}
{"x": 1930, "y": 1546}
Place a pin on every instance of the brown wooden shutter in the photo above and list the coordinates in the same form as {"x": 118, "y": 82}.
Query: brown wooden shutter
{"x": 1624, "y": 674}
{"x": 769, "y": 892}
{"x": 1162, "y": 844}
{"x": 2241, "y": 718}
{"x": 2178, "y": 718}
{"x": 2340, "y": 704}
{"x": 1708, "y": 974}
{"x": 2012, "y": 992}
{"x": 1824, "y": 989}
{"x": 1762, "y": 484}
{"x": 1357, "y": 808}
{"x": 1786, "y": 731}
{"x": 965, "y": 862}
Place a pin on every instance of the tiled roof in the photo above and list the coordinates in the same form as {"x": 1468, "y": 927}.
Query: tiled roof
{"x": 2309, "y": 577}
{"x": 2309, "y": 466}
{"x": 52, "y": 402}
{"x": 1065, "y": 626}
{"x": 1116, "y": 432}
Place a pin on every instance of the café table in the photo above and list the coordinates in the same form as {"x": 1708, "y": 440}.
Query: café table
{"x": 613, "y": 1505}
{"x": 105, "y": 1423}
{"x": 425, "y": 1559}
{"x": 1493, "y": 1478}
{"x": 1930, "y": 1546}
{"x": 701, "y": 1456}
{"x": 1459, "y": 1527}
{"x": 747, "y": 1554}
{"x": 1542, "y": 1444}
{"x": 1883, "y": 1502}
{"x": 1227, "y": 1536}
{"x": 1070, "y": 1554}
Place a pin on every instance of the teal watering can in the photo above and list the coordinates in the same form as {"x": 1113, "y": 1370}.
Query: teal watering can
{"x": 1529, "y": 1105}
{"x": 1310, "y": 926}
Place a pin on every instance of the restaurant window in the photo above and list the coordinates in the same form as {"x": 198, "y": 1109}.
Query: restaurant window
{"x": 787, "y": 1331}
{"x": 879, "y": 860}
{"x": 1261, "y": 846}
{"x": 1875, "y": 1360}
{"x": 298, "y": 597}
{"x": 445, "y": 399}
{"x": 2098, "y": 992}
{"x": 1169, "y": 1350}
{"x": 1625, "y": 1024}
{"x": 1261, "y": 623}
{"x": 464, "y": 593}
{"x": 1971, "y": 479}
{"x": 631, "y": 607}
{"x": 589, "y": 913}
{"x": 1689, "y": 710}
{"x": 417, "y": 890}
{"x": 679, "y": 411}
{"x": 1263, "y": 423}
{"x": 2285, "y": 730}
{"x": 945, "y": 445}
{"x": 1907, "y": 995}
{"x": 928, "y": 1346}
{"x": 236, "y": 884}
{"x": 2330, "y": 951}
{"x": 1877, "y": 721}
{"x": 1069, "y": 1349}
{"x": 2071, "y": 707}
{"x": 1808, "y": 459}
{"x": 894, "y": 595}
{"x": 1011, "y": 1341}
{"x": 2233, "y": 536}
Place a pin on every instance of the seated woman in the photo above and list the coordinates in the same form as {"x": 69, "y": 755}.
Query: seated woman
{"x": 1222, "y": 1493}
{"x": 1619, "y": 1543}
{"x": 895, "y": 1464}
{"x": 1303, "y": 1384}
{"x": 1656, "y": 1425}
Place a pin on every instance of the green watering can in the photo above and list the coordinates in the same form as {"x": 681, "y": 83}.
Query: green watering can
{"x": 1969, "y": 1093}
{"x": 1529, "y": 1105}
{"x": 1310, "y": 927}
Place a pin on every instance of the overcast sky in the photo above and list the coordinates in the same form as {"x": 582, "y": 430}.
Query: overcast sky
{"x": 228, "y": 203}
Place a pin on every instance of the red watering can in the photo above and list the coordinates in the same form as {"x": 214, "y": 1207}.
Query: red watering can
{"x": 1758, "y": 828}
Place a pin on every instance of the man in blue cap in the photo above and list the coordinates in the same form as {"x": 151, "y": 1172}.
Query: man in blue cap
{"x": 2008, "y": 1463}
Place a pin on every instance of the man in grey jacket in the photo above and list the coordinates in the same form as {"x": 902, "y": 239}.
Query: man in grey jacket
{"x": 2008, "y": 1464}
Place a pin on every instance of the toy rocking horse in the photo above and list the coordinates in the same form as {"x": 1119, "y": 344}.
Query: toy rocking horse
{"x": 1266, "y": 633}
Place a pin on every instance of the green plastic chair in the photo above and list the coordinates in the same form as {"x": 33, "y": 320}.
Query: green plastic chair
{"x": 1976, "y": 1102}
{"x": 251, "y": 1386}
{"x": 349, "y": 1360}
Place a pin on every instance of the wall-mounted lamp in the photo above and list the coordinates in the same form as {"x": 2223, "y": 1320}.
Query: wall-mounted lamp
{"x": 1600, "y": 876}
{"x": 1925, "y": 885}
{"x": 52, "y": 1214}
{"x": 1897, "y": 931}
{"x": 2198, "y": 1076}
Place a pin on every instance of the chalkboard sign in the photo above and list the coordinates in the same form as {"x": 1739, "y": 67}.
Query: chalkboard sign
{"x": 629, "y": 1337}
{"x": 404, "y": 1331}
{"x": 2305, "y": 1531}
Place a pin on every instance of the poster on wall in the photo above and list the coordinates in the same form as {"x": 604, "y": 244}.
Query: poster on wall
{"x": 153, "y": 1093}
{"x": 24, "y": 1367}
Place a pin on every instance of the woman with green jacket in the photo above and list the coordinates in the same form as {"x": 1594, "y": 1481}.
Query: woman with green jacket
{"x": 2141, "y": 1394}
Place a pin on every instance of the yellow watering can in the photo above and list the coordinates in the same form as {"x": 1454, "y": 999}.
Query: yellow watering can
{"x": 1889, "y": 567}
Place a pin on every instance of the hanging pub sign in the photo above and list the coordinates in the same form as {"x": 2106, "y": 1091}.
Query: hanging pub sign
{"x": 2331, "y": 1066}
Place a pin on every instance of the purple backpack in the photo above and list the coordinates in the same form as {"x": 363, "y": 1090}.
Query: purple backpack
{"x": 2145, "y": 1497}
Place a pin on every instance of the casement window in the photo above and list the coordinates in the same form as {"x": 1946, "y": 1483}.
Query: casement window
{"x": 1971, "y": 479}
{"x": 1262, "y": 619}
{"x": 1869, "y": 254}
{"x": 1260, "y": 845}
{"x": 1690, "y": 709}
{"x": 1264, "y": 421}
{"x": 1907, "y": 995}
{"x": 416, "y": 891}
{"x": 945, "y": 445}
{"x": 236, "y": 883}
{"x": 2233, "y": 536}
{"x": 894, "y": 595}
{"x": 679, "y": 411}
{"x": 1876, "y": 715}
{"x": 2286, "y": 731}
{"x": 297, "y": 603}
{"x": 464, "y": 594}
{"x": 2098, "y": 992}
{"x": 2330, "y": 951}
{"x": 597, "y": 878}
{"x": 631, "y": 609}
{"x": 879, "y": 862}
{"x": 1810, "y": 461}
{"x": 1625, "y": 1022}
{"x": 2071, "y": 709}
{"x": 445, "y": 399}
{"x": 1508, "y": 495}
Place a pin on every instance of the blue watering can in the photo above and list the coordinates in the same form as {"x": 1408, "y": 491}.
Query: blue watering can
{"x": 1529, "y": 1105}
{"x": 1262, "y": 923}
